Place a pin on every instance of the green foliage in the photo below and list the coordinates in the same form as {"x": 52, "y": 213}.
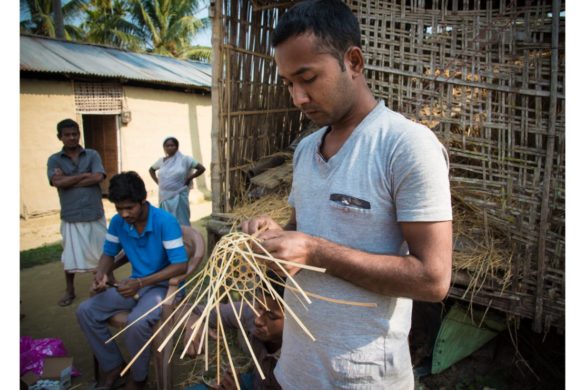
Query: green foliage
{"x": 168, "y": 26}
{"x": 197, "y": 53}
{"x": 165, "y": 27}
{"x": 42, "y": 255}
{"x": 40, "y": 17}
{"x": 106, "y": 22}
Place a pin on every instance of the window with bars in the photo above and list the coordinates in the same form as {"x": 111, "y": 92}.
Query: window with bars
{"x": 98, "y": 98}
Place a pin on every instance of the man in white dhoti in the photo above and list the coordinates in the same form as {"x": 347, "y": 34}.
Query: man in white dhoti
{"x": 77, "y": 173}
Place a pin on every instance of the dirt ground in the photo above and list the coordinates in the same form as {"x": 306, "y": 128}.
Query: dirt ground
{"x": 42, "y": 286}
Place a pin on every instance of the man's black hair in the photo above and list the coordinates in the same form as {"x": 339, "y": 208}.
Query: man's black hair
{"x": 64, "y": 124}
{"x": 176, "y": 141}
{"x": 126, "y": 186}
{"x": 331, "y": 21}
{"x": 276, "y": 286}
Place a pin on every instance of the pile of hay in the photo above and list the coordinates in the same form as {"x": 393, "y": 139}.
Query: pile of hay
{"x": 273, "y": 205}
{"x": 481, "y": 254}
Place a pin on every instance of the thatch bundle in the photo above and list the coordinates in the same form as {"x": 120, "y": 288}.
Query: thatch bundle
{"x": 273, "y": 205}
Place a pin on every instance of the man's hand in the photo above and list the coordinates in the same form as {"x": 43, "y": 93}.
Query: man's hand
{"x": 100, "y": 280}
{"x": 288, "y": 245}
{"x": 129, "y": 288}
{"x": 264, "y": 223}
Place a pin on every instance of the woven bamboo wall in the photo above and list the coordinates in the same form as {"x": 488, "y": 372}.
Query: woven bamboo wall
{"x": 253, "y": 116}
{"x": 487, "y": 76}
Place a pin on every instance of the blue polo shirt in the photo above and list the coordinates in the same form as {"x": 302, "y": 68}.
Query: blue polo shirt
{"x": 159, "y": 245}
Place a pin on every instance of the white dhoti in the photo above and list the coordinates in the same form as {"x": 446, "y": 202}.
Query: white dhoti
{"x": 83, "y": 244}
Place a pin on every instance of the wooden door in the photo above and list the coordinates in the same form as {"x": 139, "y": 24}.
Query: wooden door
{"x": 101, "y": 134}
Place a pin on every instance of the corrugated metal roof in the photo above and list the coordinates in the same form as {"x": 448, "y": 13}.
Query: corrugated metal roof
{"x": 41, "y": 54}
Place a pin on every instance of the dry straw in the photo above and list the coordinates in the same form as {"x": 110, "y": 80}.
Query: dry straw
{"x": 273, "y": 205}
{"x": 482, "y": 256}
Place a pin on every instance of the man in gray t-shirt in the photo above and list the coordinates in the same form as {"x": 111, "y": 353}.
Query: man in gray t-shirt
{"x": 371, "y": 205}
{"x": 76, "y": 173}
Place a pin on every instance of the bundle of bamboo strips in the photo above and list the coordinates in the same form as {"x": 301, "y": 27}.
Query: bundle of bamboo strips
{"x": 233, "y": 268}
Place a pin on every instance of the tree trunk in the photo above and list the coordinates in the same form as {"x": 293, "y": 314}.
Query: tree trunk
{"x": 58, "y": 17}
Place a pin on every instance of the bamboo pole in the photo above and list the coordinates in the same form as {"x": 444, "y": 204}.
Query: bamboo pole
{"x": 249, "y": 52}
{"x": 228, "y": 132}
{"x": 463, "y": 83}
{"x": 216, "y": 14}
{"x": 548, "y": 166}
{"x": 261, "y": 112}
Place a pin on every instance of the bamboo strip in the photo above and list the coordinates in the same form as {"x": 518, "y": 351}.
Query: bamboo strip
{"x": 262, "y": 112}
{"x": 544, "y": 208}
{"x": 246, "y": 340}
{"x": 333, "y": 300}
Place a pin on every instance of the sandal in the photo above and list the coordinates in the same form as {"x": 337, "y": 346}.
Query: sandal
{"x": 66, "y": 300}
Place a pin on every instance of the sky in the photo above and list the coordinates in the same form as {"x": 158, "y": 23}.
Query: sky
{"x": 575, "y": 196}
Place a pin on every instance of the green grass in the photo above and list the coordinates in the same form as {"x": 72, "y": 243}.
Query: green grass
{"x": 42, "y": 255}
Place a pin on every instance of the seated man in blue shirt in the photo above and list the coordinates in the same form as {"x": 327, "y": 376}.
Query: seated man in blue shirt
{"x": 152, "y": 241}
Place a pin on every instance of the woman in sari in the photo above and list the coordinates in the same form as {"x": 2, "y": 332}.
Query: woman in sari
{"x": 175, "y": 179}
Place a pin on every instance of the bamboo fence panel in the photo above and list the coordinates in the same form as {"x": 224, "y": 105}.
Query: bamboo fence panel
{"x": 487, "y": 76}
{"x": 255, "y": 117}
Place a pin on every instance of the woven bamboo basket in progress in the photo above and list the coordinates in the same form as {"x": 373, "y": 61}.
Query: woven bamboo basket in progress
{"x": 487, "y": 76}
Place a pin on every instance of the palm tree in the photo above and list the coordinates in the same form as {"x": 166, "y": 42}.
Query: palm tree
{"x": 39, "y": 18}
{"x": 198, "y": 53}
{"x": 169, "y": 26}
{"x": 106, "y": 22}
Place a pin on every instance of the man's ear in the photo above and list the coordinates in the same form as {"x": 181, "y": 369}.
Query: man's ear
{"x": 355, "y": 57}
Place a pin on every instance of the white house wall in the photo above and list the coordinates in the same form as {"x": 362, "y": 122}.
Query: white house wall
{"x": 42, "y": 105}
{"x": 155, "y": 115}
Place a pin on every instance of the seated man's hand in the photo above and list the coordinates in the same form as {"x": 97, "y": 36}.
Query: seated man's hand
{"x": 128, "y": 288}
{"x": 99, "y": 283}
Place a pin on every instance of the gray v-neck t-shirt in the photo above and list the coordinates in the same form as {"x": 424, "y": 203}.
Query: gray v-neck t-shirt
{"x": 389, "y": 170}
